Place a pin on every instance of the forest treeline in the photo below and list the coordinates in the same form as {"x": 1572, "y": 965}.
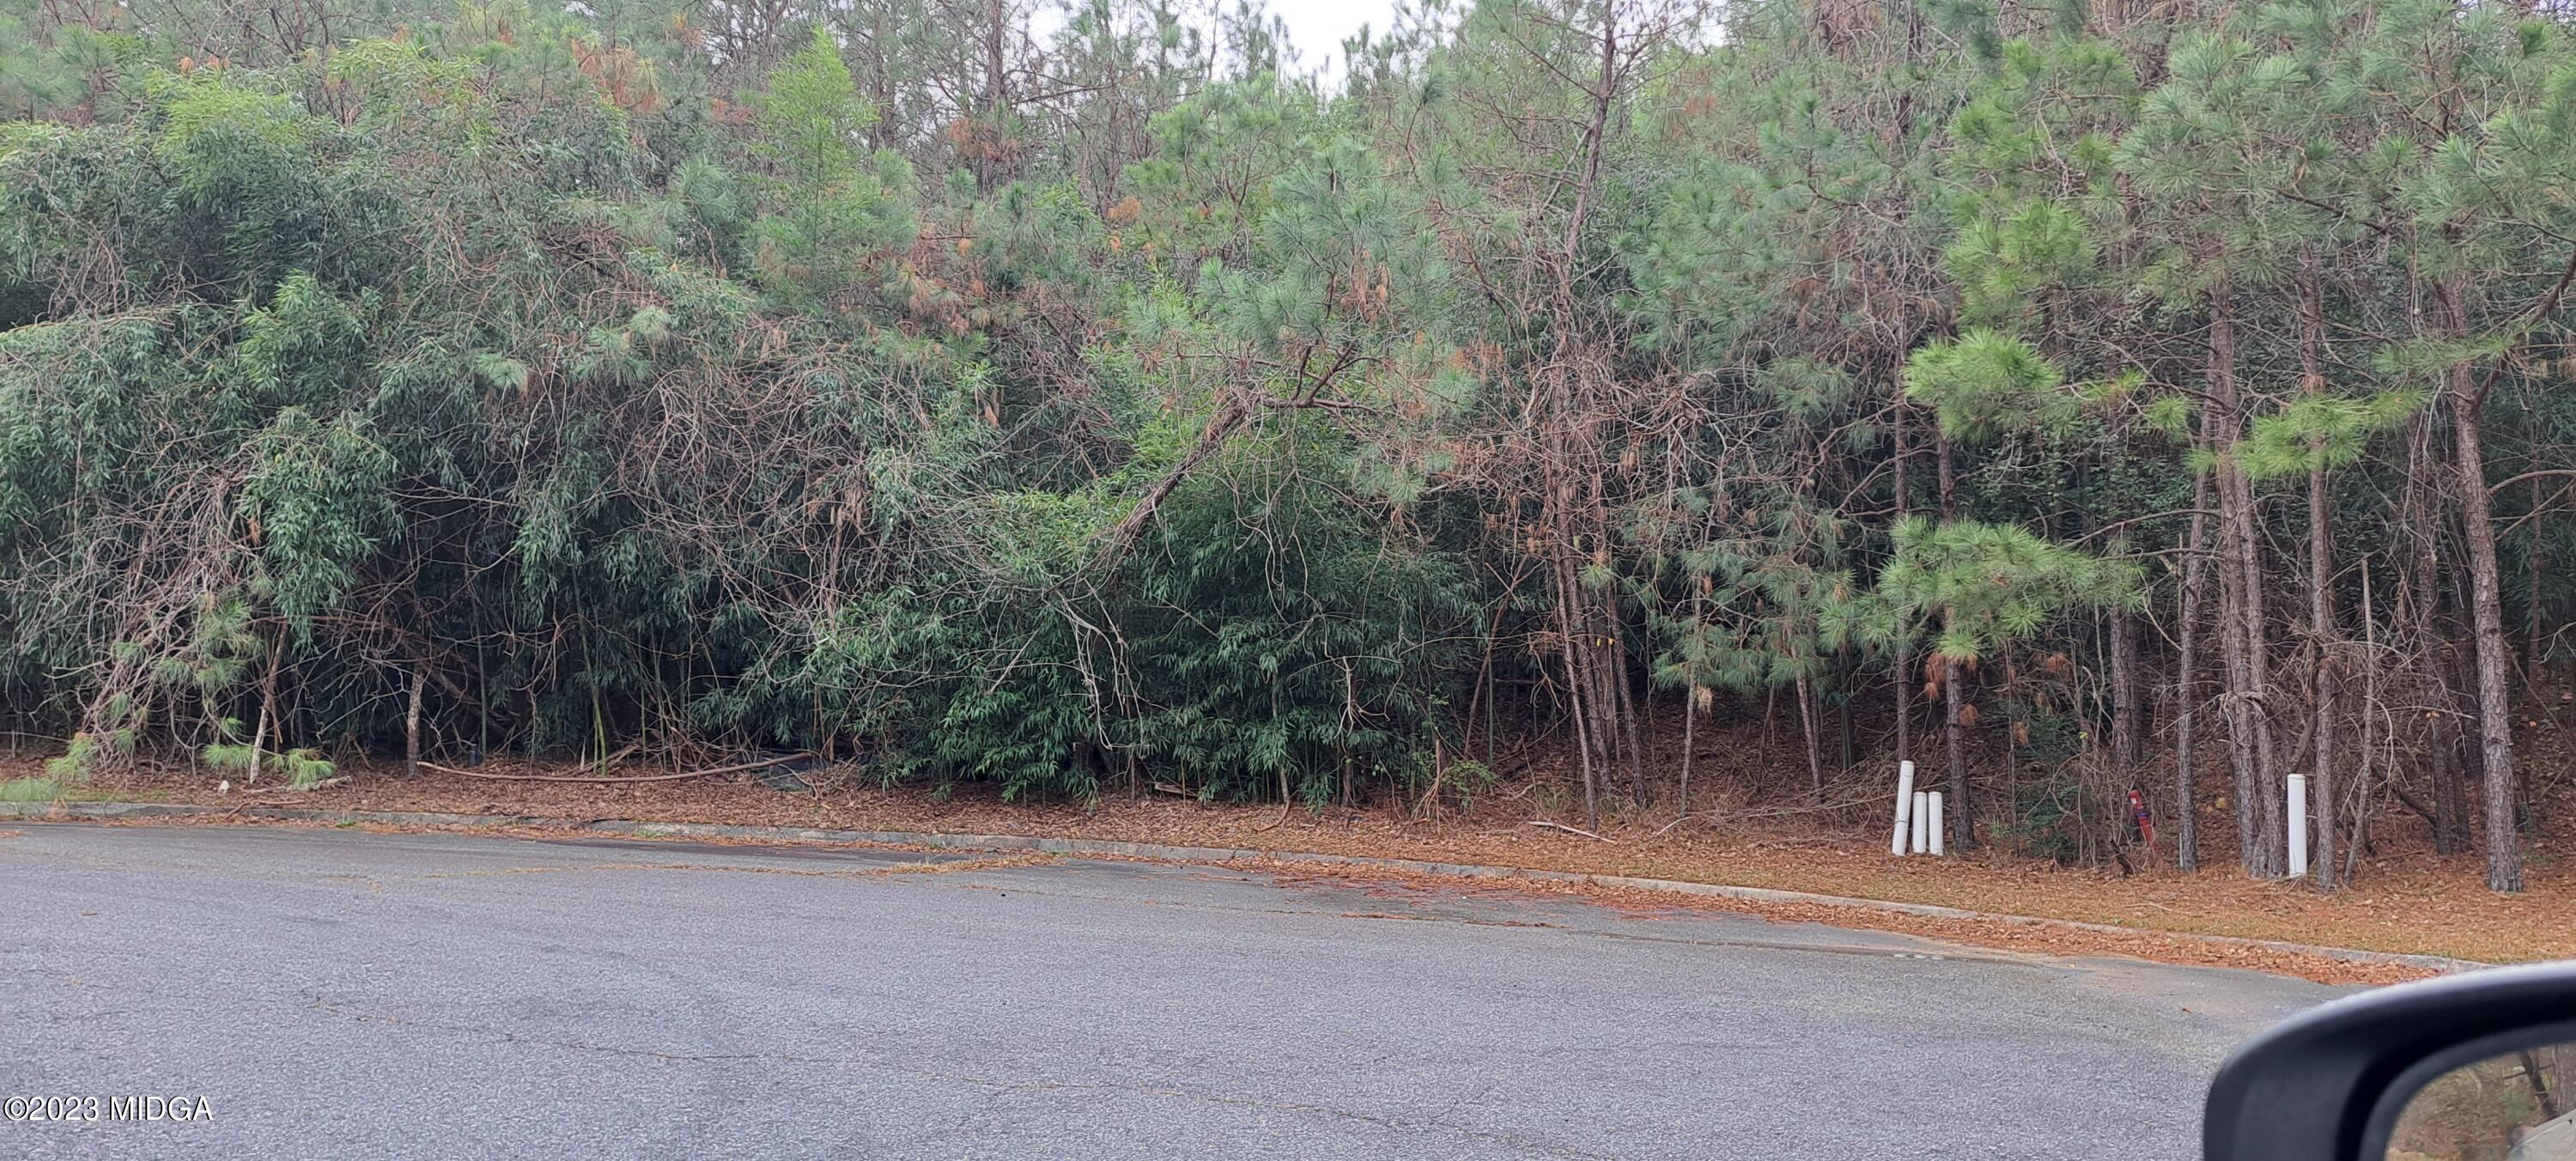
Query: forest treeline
{"x": 2075, "y": 397}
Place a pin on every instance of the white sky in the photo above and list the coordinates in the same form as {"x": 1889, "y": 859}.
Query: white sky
{"x": 1316, "y": 27}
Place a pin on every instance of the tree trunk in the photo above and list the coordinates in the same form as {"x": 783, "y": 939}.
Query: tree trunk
{"x": 2419, "y": 600}
{"x": 1905, "y": 676}
{"x": 1690, "y": 723}
{"x": 1603, "y": 695}
{"x": 258, "y": 733}
{"x": 411, "y": 726}
{"x": 2240, "y": 611}
{"x": 2321, "y": 691}
{"x": 1596, "y": 712}
{"x": 2124, "y": 697}
{"x": 1807, "y": 720}
{"x": 1954, "y": 732}
{"x": 2450, "y": 795}
{"x": 2361, "y": 792}
{"x": 2421, "y": 590}
{"x": 1905, "y": 679}
{"x": 1628, "y": 712}
{"x": 2256, "y": 699}
{"x": 2486, "y": 604}
{"x": 2187, "y": 683}
{"x": 2495, "y": 726}
{"x": 1576, "y": 707}
{"x": 2533, "y": 642}
{"x": 268, "y": 707}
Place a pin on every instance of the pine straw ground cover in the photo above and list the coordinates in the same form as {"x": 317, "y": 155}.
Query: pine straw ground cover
{"x": 2407, "y": 902}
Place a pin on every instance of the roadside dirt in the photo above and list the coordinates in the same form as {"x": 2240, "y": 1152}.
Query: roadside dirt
{"x": 2403, "y": 902}
{"x": 2030, "y": 938}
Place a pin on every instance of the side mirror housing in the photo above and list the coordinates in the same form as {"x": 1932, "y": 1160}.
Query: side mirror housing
{"x": 2329, "y": 1083}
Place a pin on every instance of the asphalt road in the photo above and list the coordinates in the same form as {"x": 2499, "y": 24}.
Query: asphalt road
{"x": 336, "y": 994}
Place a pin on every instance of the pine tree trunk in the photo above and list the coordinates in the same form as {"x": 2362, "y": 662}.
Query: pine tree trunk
{"x": 2369, "y": 724}
{"x": 2320, "y": 675}
{"x": 2187, "y": 680}
{"x": 1603, "y": 694}
{"x": 258, "y": 733}
{"x": 1628, "y": 711}
{"x": 1576, "y": 703}
{"x": 2533, "y": 642}
{"x": 1566, "y": 443}
{"x": 1955, "y": 734}
{"x": 2124, "y": 698}
{"x": 1807, "y": 718}
{"x": 2270, "y": 787}
{"x": 1905, "y": 643}
{"x": 2422, "y": 594}
{"x": 2321, "y": 692}
{"x": 411, "y": 726}
{"x": 1904, "y": 700}
{"x": 2240, "y": 608}
{"x": 2420, "y": 597}
{"x": 2486, "y": 603}
{"x": 2495, "y": 726}
{"x": 1690, "y": 724}
{"x": 1960, "y": 814}
{"x": 2450, "y": 797}
{"x": 268, "y": 706}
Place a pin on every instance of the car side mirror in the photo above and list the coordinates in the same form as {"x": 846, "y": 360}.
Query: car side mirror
{"x": 2472, "y": 1067}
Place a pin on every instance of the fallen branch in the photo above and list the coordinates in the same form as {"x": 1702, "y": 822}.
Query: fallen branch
{"x": 1120, "y": 536}
{"x": 1571, "y": 830}
{"x": 733, "y": 769}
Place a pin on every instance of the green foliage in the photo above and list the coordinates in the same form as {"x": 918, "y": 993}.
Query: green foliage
{"x": 299, "y": 767}
{"x": 2329, "y": 431}
{"x": 2003, "y": 263}
{"x": 1991, "y": 585}
{"x": 315, "y": 504}
{"x": 837, "y": 203}
{"x": 225, "y": 140}
{"x": 1131, "y": 408}
{"x": 303, "y": 349}
{"x": 30, "y": 790}
{"x": 84, "y": 755}
{"x": 2050, "y": 814}
{"x": 1281, "y": 640}
{"x": 1985, "y": 382}
{"x": 222, "y": 646}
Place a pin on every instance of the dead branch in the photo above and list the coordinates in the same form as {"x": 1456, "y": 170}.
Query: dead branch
{"x": 1571, "y": 830}
{"x": 733, "y": 769}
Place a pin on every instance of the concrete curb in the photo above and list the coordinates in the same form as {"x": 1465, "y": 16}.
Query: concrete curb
{"x": 70, "y": 811}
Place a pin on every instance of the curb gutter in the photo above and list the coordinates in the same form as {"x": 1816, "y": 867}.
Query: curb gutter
{"x": 72, "y": 811}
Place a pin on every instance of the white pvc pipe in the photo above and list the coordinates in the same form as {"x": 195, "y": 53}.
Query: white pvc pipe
{"x": 1922, "y": 820}
{"x": 1904, "y": 804}
{"x": 2298, "y": 825}
{"x": 1936, "y": 822}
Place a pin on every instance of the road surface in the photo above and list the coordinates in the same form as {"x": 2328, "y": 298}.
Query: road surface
{"x": 341, "y": 994}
